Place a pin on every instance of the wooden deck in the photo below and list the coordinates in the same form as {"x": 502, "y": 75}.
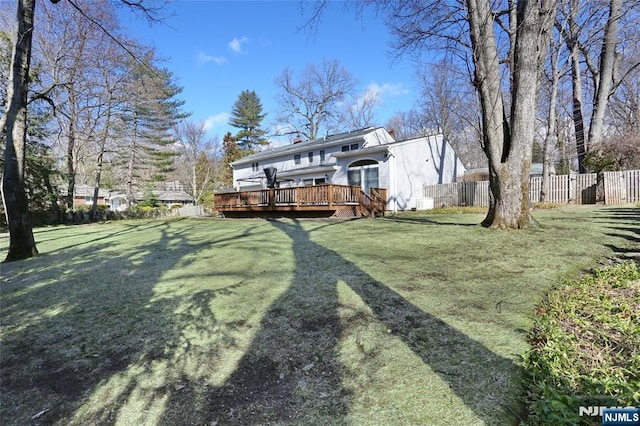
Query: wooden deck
{"x": 304, "y": 201}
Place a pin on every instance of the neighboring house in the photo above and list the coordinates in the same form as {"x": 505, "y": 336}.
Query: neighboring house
{"x": 118, "y": 201}
{"x": 369, "y": 158}
{"x": 83, "y": 195}
{"x": 536, "y": 170}
{"x": 483, "y": 173}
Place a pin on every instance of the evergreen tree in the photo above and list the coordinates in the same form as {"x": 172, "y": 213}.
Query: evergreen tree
{"x": 230, "y": 153}
{"x": 149, "y": 119}
{"x": 247, "y": 116}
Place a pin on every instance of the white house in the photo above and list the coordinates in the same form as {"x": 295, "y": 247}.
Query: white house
{"x": 369, "y": 158}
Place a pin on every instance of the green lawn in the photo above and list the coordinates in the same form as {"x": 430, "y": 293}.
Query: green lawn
{"x": 413, "y": 319}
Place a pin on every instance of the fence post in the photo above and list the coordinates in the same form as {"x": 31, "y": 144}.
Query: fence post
{"x": 573, "y": 187}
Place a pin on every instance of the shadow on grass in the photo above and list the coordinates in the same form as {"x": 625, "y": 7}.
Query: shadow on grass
{"x": 625, "y": 223}
{"x": 424, "y": 220}
{"x": 291, "y": 373}
{"x": 95, "y": 341}
{"x": 81, "y": 317}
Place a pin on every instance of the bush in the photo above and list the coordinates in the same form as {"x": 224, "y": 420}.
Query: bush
{"x": 586, "y": 347}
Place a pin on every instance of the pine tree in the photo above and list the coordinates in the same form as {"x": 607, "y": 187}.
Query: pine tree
{"x": 149, "y": 120}
{"x": 247, "y": 116}
{"x": 231, "y": 152}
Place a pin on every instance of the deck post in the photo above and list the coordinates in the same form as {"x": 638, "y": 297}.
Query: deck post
{"x": 330, "y": 195}
{"x": 272, "y": 198}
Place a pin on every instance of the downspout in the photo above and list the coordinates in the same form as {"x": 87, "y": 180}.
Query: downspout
{"x": 393, "y": 180}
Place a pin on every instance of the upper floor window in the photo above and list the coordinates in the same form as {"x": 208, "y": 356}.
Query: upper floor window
{"x": 310, "y": 155}
{"x": 345, "y": 148}
{"x": 353, "y": 146}
{"x": 296, "y": 158}
{"x": 255, "y": 167}
{"x": 322, "y": 156}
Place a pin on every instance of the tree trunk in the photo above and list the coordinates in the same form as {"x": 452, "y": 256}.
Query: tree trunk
{"x": 508, "y": 144}
{"x": 132, "y": 157}
{"x": 21, "y": 242}
{"x": 605, "y": 74}
{"x": 576, "y": 82}
{"x": 103, "y": 143}
{"x": 71, "y": 170}
{"x": 550, "y": 138}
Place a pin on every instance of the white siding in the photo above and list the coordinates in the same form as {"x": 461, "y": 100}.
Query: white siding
{"x": 403, "y": 171}
{"x": 418, "y": 162}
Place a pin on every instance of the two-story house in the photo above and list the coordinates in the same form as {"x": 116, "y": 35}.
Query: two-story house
{"x": 369, "y": 158}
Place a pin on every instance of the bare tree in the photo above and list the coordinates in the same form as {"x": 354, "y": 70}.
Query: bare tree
{"x": 590, "y": 30}
{"x": 550, "y": 138}
{"x": 407, "y": 124}
{"x": 67, "y": 44}
{"x": 312, "y": 102}
{"x": 604, "y": 78}
{"x": 14, "y": 124}
{"x": 508, "y": 140}
{"x": 450, "y": 106}
{"x": 361, "y": 113}
{"x": 196, "y": 150}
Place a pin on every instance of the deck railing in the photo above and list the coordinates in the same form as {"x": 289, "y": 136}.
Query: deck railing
{"x": 318, "y": 195}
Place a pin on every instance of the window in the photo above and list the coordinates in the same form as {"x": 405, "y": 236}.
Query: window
{"x": 88, "y": 200}
{"x": 310, "y": 155}
{"x": 322, "y": 156}
{"x": 255, "y": 167}
{"x": 296, "y": 158}
{"x": 352, "y": 147}
{"x": 307, "y": 182}
{"x": 363, "y": 173}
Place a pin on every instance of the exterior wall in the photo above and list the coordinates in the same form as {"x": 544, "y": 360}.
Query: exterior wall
{"x": 404, "y": 167}
{"x": 419, "y": 162}
{"x": 285, "y": 165}
{"x": 86, "y": 201}
{"x": 341, "y": 178}
{"x": 246, "y": 178}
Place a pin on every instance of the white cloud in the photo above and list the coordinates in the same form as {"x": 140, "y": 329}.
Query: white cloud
{"x": 386, "y": 89}
{"x": 203, "y": 58}
{"x": 214, "y": 120}
{"x": 236, "y": 44}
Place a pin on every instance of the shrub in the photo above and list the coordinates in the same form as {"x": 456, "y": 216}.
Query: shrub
{"x": 585, "y": 347}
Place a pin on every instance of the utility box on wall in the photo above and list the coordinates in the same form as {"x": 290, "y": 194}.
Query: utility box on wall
{"x": 425, "y": 203}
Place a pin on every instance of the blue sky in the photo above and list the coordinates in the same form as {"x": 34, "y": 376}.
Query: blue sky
{"x": 217, "y": 49}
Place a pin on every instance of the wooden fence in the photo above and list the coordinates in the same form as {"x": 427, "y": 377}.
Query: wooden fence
{"x": 618, "y": 188}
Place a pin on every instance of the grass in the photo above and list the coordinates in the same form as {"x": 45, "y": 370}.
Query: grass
{"x": 409, "y": 319}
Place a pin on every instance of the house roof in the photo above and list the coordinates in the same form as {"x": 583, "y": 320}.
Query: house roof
{"x": 158, "y": 194}
{"x": 330, "y": 140}
{"x": 172, "y": 196}
{"x": 85, "y": 191}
